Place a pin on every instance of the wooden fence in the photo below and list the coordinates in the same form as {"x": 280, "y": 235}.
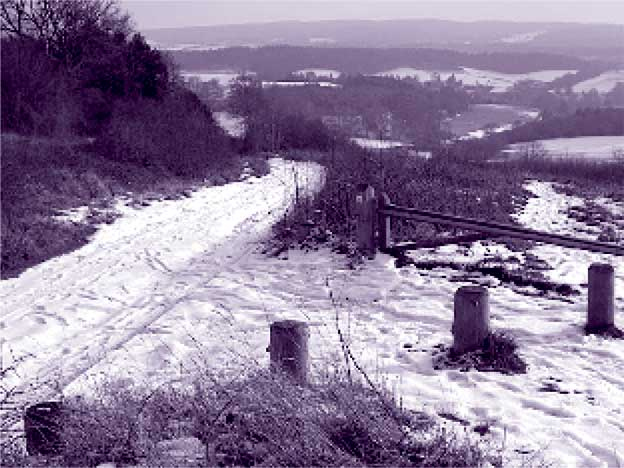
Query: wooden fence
{"x": 374, "y": 232}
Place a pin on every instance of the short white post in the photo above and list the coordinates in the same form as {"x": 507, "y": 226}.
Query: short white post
{"x": 366, "y": 207}
{"x": 471, "y": 318}
{"x": 289, "y": 349}
{"x": 600, "y": 297}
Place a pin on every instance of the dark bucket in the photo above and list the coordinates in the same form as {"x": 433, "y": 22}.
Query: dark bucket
{"x": 43, "y": 427}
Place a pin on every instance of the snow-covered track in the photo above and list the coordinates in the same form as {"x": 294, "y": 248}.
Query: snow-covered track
{"x": 63, "y": 317}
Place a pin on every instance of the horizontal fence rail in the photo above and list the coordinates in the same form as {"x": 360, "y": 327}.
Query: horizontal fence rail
{"x": 499, "y": 229}
{"x": 373, "y": 209}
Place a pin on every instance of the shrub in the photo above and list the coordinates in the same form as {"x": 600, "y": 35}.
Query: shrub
{"x": 497, "y": 354}
{"x": 176, "y": 134}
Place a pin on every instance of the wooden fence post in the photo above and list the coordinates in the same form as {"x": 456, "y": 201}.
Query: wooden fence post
{"x": 600, "y": 297}
{"x": 385, "y": 232}
{"x": 366, "y": 207}
{"x": 471, "y": 318}
{"x": 289, "y": 349}
{"x": 43, "y": 426}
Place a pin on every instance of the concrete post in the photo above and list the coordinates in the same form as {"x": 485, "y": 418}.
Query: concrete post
{"x": 600, "y": 297}
{"x": 365, "y": 205}
{"x": 289, "y": 349}
{"x": 471, "y": 318}
{"x": 385, "y": 232}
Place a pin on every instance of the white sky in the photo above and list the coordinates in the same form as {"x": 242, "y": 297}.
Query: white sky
{"x": 167, "y": 13}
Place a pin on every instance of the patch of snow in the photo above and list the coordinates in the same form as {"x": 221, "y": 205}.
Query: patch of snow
{"x": 547, "y": 211}
{"x": 378, "y": 144}
{"x": 590, "y": 147}
{"x": 482, "y": 132}
{"x": 322, "y": 40}
{"x": 74, "y": 215}
{"x": 233, "y": 125}
{"x": 474, "y": 135}
{"x": 522, "y": 38}
{"x": 615, "y": 208}
{"x": 602, "y": 83}
{"x": 532, "y": 114}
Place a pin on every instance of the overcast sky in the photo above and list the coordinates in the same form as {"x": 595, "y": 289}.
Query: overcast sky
{"x": 167, "y": 13}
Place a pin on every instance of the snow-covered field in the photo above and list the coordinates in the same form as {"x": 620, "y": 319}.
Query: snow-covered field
{"x": 181, "y": 284}
{"x": 500, "y": 82}
{"x": 480, "y": 119}
{"x": 602, "y": 83}
{"x": 590, "y": 147}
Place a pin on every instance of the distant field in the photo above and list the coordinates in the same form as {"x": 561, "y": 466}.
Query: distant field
{"x": 594, "y": 147}
{"x": 224, "y": 77}
{"x": 602, "y": 83}
{"x": 500, "y": 82}
{"x": 480, "y": 116}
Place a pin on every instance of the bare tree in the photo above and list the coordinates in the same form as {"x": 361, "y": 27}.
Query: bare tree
{"x": 62, "y": 25}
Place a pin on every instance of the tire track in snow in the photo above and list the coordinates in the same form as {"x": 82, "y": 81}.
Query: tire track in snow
{"x": 127, "y": 311}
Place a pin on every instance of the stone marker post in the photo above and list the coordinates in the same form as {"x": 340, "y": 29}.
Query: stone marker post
{"x": 289, "y": 349}
{"x": 600, "y": 297}
{"x": 471, "y": 318}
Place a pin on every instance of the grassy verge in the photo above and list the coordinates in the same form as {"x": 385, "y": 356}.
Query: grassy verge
{"x": 260, "y": 420}
{"x": 41, "y": 177}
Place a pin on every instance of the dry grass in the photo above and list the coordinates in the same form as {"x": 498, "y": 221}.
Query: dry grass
{"x": 41, "y": 176}
{"x": 497, "y": 354}
{"x": 262, "y": 419}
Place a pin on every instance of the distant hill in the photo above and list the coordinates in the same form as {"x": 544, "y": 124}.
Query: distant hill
{"x": 592, "y": 41}
{"x": 278, "y": 61}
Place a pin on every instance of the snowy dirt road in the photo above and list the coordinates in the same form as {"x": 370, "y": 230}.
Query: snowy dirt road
{"x": 62, "y": 317}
